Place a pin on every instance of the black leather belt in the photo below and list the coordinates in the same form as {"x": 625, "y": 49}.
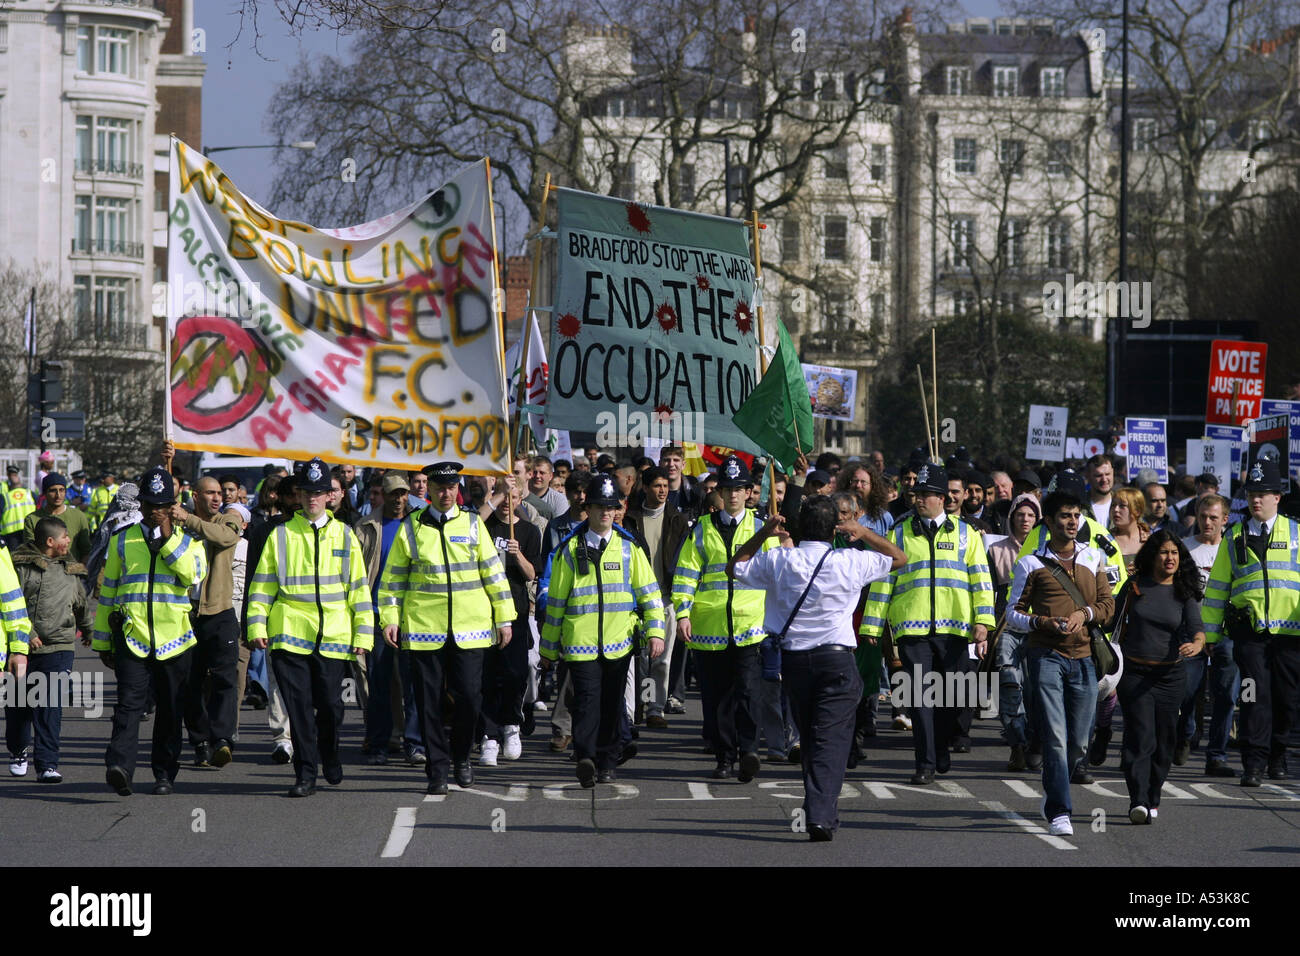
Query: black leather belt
{"x": 844, "y": 648}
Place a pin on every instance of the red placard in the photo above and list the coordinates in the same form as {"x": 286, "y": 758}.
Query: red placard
{"x": 1235, "y": 367}
{"x": 716, "y": 455}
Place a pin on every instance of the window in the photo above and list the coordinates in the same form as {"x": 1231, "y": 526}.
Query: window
{"x": 102, "y": 308}
{"x": 836, "y": 312}
{"x": 1260, "y": 131}
{"x": 112, "y": 224}
{"x": 112, "y": 144}
{"x": 1008, "y": 303}
{"x": 686, "y": 183}
{"x": 113, "y": 51}
{"x": 1013, "y": 243}
{"x": 81, "y": 155}
{"x": 1058, "y": 157}
{"x": 789, "y": 240}
{"x": 962, "y": 233}
{"x": 1210, "y": 129}
{"x": 963, "y": 156}
{"x": 877, "y": 310}
{"x": 617, "y": 106}
{"x": 879, "y": 162}
{"x": 1006, "y": 81}
{"x": 958, "y": 80}
{"x": 836, "y": 163}
{"x": 831, "y": 83}
{"x": 85, "y": 41}
{"x": 835, "y": 234}
{"x": 1011, "y": 157}
{"x": 876, "y": 245}
{"x": 1144, "y": 135}
{"x": 963, "y": 302}
{"x": 1051, "y": 81}
{"x": 1058, "y": 244}
{"x": 81, "y": 224}
{"x": 624, "y": 186}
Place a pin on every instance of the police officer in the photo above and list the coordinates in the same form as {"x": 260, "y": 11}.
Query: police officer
{"x": 722, "y": 619}
{"x": 442, "y": 596}
{"x": 142, "y": 631}
{"x": 601, "y": 582}
{"x": 308, "y": 601}
{"x": 1254, "y": 595}
{"x": 940, "y": 601}
{"x": 15, "y": 625}
{"x": 101, "y": 498}
{"x": 18, "y": 504}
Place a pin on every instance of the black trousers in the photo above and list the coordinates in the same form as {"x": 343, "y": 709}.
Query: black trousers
{"x": 932, "y": 727}
{"x": 312, "y": 688}
{"x": 169, "y": 680}
{"x": 598, "y": 707}
{"x": 462, "y": 671}
{"x": 824, "y": 688}
{"x": 730, "y": 691}
{"x": 1149, "y": 698}
{"x": 964, "y": 715}
{"x": 212, "y": 705}
{"x": 1273, "y": 664}
{"x": 505, "y": 678}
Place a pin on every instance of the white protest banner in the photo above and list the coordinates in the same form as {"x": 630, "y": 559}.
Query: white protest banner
{"x": 1235, "y": 436}
{"x": 1148, "y": 447}
{"x": 834, "y": 391}
{"x": 654, "y": 316}
{"x": 377, "y": 344}
{"x": 1213, "y": 455}
{"x": 545, "y": 438}
{"x": 1045, "y": 440}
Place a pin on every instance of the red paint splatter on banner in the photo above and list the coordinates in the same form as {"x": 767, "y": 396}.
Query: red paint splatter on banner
{"x": 667, "y": 317}
{"x": 702, "y": 283}
{"x": 744, "y": 319}
{"x": 570, "y": 325}
{"x": 637, "y": 219}
{"x": 664, "y": 411}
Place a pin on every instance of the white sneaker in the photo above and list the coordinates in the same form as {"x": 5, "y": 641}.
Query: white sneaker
{"x": 50, "y": 775}
{"x": 1061, "y": 826}
{"x": 1154, "y": 812}
{"x": 488, "y": 757}
{"x": 902, "y": 722}
{"x": 539, "y": 706}
{"x": 1138, "y": 814}
{"x": 18, "y": 765}
{"x": 513, "y": 747}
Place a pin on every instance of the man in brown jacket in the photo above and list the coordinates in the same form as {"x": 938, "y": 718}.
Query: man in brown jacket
{"x": 212, "y": 710}
{"x": 1058, "y": 658}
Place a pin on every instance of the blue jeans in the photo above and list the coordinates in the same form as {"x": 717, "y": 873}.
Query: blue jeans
{"x": 1188, "y": 728}
{"x": 47, "y": 721}
{"x": 1225, "y": 684}
{"x": 1064, "y": 699}
{"x": 1011, "y": 709}
{"x": 379, "y": 712}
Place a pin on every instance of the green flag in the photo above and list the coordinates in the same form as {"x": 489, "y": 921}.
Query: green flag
{"x": 778, "y": 405}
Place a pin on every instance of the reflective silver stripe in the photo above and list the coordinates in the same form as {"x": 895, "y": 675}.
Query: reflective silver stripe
{"x": 347, "y": 556}
{"x": 281, "y": 552}
{"x": 473, "y": 528}
{"x": 409, "y": 525}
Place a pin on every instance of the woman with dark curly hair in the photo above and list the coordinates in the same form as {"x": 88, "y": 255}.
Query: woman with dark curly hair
{"x": 1161, "y": 628}
{"x": 863, "y": 480}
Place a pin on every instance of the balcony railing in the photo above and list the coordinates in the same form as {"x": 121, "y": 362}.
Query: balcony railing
{"x": 109, "y": 247}
{"x": 93, "y": 329}
{"x": 848, "y": 340}
{"x": 110, "y": 167}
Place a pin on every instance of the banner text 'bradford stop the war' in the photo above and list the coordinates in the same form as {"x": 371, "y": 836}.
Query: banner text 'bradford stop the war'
{"x": 654, "y": 311}
{"x": 375, "y": 343}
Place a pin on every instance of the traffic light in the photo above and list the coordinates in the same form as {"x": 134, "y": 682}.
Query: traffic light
{"x": 44, "y": 391}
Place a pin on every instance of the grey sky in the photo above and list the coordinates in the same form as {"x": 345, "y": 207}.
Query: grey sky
{"x": 241, "y": 80}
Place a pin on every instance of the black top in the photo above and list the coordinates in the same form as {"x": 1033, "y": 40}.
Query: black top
{"x": 1158, "y": 622}
{"x": 530, "y": 546}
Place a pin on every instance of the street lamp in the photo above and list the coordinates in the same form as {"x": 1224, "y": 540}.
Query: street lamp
{"x": 308, "y": 144}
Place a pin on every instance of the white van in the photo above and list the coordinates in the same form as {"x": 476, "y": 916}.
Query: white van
{"x": 247, "y": 470}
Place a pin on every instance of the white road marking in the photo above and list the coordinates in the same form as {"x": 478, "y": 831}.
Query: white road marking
{"x": 1209, "y": 791}
{"x": 698, "y": 791}
{"x": 515, "y": 793}
{"x": 435, "y": 797}
{"x": 400, "y": 835}
{"x": 883, "y": 791}
{"x": 847, "y": 790}
{"x": 1022, "y": 789}
{"x": 1059, "y": 842}
{"x": 622, "y": 791}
